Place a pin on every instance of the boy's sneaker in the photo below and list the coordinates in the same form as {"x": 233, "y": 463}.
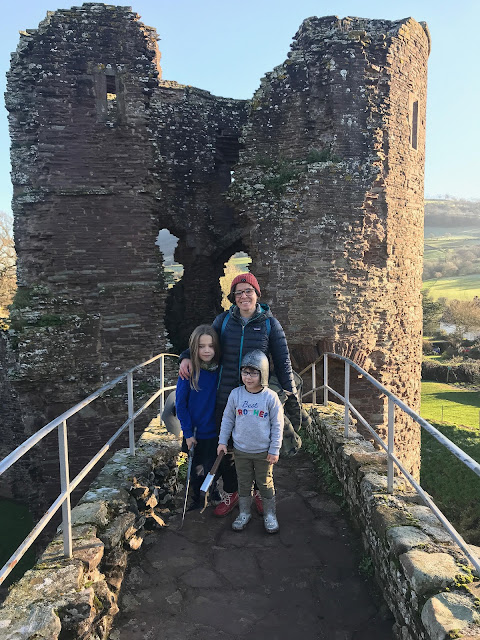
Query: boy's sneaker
{"x": 258, "y": 502}
{"x": 228, "y": 503}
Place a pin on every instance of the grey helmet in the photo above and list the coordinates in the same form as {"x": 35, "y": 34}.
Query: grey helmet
{"x": 259, "y": 361}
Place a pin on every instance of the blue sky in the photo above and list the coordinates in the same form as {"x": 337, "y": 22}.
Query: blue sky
{"x": 226, "y": 47}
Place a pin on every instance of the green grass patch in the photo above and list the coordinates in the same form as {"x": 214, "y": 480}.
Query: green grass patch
{"x": 454, "y": 487}
{"x": 435, "y": 247}
{"x": 459, "y": 288}
{"x": 16, "y": 525}
{"x": 240, "y": 262}
{"x": 461, "y": 406}
{"x": 441, "y": 239}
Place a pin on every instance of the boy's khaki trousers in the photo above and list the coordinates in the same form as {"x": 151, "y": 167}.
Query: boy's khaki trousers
{"x": 254, "y": 466}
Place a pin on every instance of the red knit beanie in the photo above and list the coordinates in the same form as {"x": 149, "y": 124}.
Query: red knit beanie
{"x": 245, "y": 277}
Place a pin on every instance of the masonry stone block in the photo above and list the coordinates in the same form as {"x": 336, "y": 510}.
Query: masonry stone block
{"x": 447, "y": 613}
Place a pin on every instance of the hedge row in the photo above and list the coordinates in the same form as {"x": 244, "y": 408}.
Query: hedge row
{"x": 440, "y": 372}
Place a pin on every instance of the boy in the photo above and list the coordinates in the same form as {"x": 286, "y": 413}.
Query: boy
{"x": 254, "y": 418}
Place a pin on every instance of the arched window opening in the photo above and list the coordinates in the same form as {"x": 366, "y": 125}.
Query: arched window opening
{"x": 172, "y": 271}
{"x": 173, "y": 282}
{"x": 238, "y": 263}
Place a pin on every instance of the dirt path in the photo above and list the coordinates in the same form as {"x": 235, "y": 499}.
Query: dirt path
{"x": 207, "y": 582}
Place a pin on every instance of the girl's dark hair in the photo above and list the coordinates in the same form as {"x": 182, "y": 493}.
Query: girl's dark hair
{"x": 197, "y": 333}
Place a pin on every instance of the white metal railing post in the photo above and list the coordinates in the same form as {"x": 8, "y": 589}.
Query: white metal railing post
{"x": 325, "y": 380}
{"x": 346, "y": 418}
{"x": 314, "y": 383}
{"x": 390, "y": 444}
{"x": 162, "y": 376}
{"x": 65, "y": 488}
{"x": 131, "y": 421}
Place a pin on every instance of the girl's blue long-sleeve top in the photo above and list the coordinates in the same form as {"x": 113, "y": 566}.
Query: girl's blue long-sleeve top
{"x": 197, "y": 408}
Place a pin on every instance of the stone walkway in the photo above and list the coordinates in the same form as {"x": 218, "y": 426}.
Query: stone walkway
{"x": 207, "y": 582}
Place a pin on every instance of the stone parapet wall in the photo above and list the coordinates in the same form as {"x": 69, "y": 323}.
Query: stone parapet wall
{"x": 429, "y": 585}
{"x": 77, "y": 597}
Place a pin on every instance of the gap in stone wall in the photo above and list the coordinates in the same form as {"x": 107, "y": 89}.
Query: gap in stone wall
{"x": 238, "y": 262}
{"x": 173, "y": 271}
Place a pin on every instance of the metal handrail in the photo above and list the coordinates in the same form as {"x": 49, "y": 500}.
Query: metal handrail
{"x": 66, "y": 484}
{"x": 392, "y": 460}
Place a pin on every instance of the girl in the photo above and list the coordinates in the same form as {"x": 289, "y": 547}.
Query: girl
{"x": 195, "y": 403}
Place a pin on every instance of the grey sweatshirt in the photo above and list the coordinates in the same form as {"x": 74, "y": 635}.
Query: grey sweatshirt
{"x": 255, "y": 421}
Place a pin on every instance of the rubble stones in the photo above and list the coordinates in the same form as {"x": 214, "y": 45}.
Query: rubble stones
{"x": 90, "y": 512}
{"x": 89, "y": 550}
{"x": 118, "y": 529}
{"x": 39, "y": 621}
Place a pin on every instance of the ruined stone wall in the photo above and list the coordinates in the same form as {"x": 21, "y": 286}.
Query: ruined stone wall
{"x": 77, "y": 597}
{"x": 78, "y": 97}
{"x": 196, "y": 147}
{"x": 332, "y": 191}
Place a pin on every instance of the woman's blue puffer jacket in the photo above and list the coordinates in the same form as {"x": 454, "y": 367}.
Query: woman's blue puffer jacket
{"x": 238, "y": 339}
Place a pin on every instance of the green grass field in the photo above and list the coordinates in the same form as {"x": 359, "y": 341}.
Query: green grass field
{"x": 454, "y": 487}
{"x": 439, "y": 244}
{"x": 444, "y": 240}
{"x": 460, "y": 406}
{"x": 461, "y": 288}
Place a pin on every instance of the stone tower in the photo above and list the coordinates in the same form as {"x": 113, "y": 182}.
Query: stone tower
{"x": 327, "y": 200}
{"x": 330, "y": 184}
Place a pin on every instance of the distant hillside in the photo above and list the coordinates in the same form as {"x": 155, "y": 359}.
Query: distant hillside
{"x": 451, "y": 267}
{"x": 452, "y": 213}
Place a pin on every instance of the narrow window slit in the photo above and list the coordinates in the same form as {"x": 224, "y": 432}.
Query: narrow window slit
{"x": 414, "y": 136}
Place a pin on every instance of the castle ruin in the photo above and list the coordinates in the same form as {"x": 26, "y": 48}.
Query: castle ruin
{"x": 327, "y": 199}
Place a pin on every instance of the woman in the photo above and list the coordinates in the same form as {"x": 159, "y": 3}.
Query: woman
{"x": 246, "y": 326}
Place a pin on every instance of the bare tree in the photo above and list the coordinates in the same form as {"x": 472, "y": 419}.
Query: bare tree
{"x": 8, "y": 281}
{"x": 230, "y": 271}
{"x": 465, "y": 315}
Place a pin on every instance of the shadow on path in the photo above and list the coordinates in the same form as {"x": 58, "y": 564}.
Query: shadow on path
{"x": 207, "y": 582}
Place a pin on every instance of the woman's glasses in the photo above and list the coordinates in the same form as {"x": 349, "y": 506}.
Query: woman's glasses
{"x": 247, "y": 292}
